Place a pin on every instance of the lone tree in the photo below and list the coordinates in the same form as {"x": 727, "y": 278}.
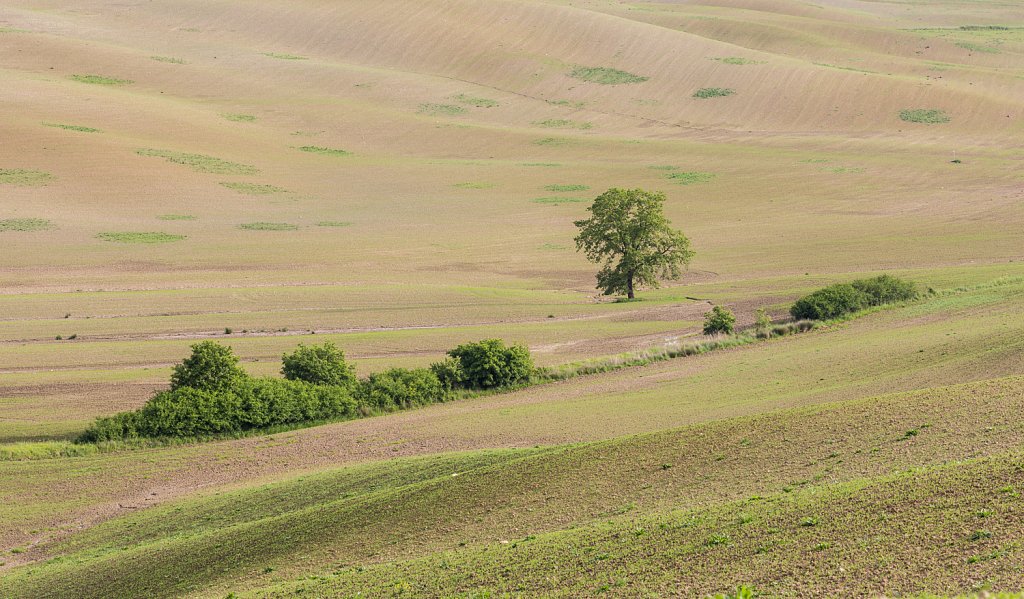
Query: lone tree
{"x": 628, "y": 232}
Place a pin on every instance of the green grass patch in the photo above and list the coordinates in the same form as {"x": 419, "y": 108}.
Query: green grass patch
{"x": 140, "y": 237}
{"x": 473, "y": 185}
{"x": 977, "y": 47}
{"x": 25, "y": 224}
{"x": 334, "y": 223}
{"x": 24, "y": 177}
{"x": 474, "y": 101}
{"x": 239, "y": 118}
{"x": 42, "y": 450}
{"x": 663, "y": 167}
{"x": 605, "y": 76}
{"x": 441, "y": 109}
{"x": 541, "y": 164}
{"x": 177, "y": 217}
{"x": 100, "y": 80}
{"x": 713, "y": 92}
{"x": 924, "y": 115}
{"x": 254, "y": 189}
{"x": 567, "y": 187}
{"x": 563, "y": 124}
{"x": 689, "y": 177}
{"x": 736, "y": 60}
{"x": 324, "y": 151}
{"x": 558, "y": 200}
{"x": 80, "y": 128}
{"x": 264, "y": 226}
{"x": 201, "y": 163}
{"x": 552, "y": 141}
{"x": 568, "y": 103}
{"x": 284, "y": 56}
{"x": 169, "y": 59}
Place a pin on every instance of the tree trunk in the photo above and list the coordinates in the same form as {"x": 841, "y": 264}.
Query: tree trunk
{"x": 629, "y": 287}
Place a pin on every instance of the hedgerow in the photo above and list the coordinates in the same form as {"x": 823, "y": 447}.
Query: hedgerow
{"x": 845, "y": 298}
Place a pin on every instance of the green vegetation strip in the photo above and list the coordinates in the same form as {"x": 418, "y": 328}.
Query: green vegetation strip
{"x": 689, "y": 178}
{"x": 713, "y": 92}
{"x": 606, "y": 76}
{"x": 72, "y": 127}
{"x": 283, "y": 56}
{"x": 567, "y": 187}
{"x": 24, "y": 177}
{"x": 333, "y": 223}
{"x": 324, "y": 151}
{"x": 441, "y": 109}
{"x": 253, "y": 188}
{"x": 169, "y": 59}
{"x": 239, "y": 118}
{"x": 924, "y": 115}
{"x": 140, "y": 237}
{"x": 563, "y": 124}
{"x": 100, "y": 80}
{"x": 265, "y": 226}
{"x": 558, "y": 200}
{"x": 25, "y": 224}
{"x": 201, "y": 163}
{"x": 472, "y": 101}
{"x": 736, "y": 60}
{"x": 177, "y": 217}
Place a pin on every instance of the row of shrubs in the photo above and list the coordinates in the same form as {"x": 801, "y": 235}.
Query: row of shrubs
{"x": 841, "y": 299}
{"x": 210, "y": 394}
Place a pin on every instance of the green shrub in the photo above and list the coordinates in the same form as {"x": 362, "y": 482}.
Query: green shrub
{"x": 762, "y": 321}
{"x": 489, "y": 363}
{"x": 211, "y": 367}
{"x": 399, "y": 388}
{"x": 318, "y": 364}
{"x": 112, "y": 428}
{"x": 449, "y": 373}
{"x": 719, "y": 321}
{"x": 830, "y": 302}
{"x": 886, "y": 289}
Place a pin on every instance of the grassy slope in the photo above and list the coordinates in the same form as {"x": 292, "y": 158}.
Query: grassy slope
{"x": 408, "y": 508}
{"x": 947, "y": 529}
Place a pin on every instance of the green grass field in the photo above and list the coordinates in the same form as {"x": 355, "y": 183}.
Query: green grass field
{"x": 400, "y": 178}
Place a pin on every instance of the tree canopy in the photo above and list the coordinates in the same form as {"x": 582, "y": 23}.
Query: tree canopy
{"x": 628, "y": 233}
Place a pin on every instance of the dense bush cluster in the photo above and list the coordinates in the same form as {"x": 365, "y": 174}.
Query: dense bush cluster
{"x": 210, "y": 394}
{"x": 845, "y": 298}
{"x": 719, "y": 321}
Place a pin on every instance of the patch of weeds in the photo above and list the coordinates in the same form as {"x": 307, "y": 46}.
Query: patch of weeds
{"x": 911, "y": 433}
{"x": 737, "y": 60}
{"x": 284, "y": 56}
{"x": 552, "y": 141}
{"x": 567, "y": 187}
{"x": 983, "y": 513}
{"x": 239, "y": 118}
{"x": 563, "y": 124}
{"x": 689, "y": 177}
{"x": 473, "y": 101}
{"x": 974, "y": 559}
{"x": 718, "y": 539}
{"x": 324, "y": 151}
{"x": 12, "y": 30}
{"x": 663, "y": 167}
{"x": 473, "y": 185}
{"x": 713, "y": 92}
{"x": 839, "y": 170}
{"x": 24, "y": 178}
{"x": 80, "y": 128}
{"x": 177, "y": 217}
{"x": 334, "y": 223}
{"x": 264, "y": 226}
{"x": 25, "y": 224}
{"x": 441, "y": 109}
{"x": 546, "y": 164}
{"x": 552, "y": 246}
{"x": 255, "y": 189}
{"x": 558, "y": 200}
{"x": 100, "y": 80}
{"x": 201, "y": 163}
{"x": 606, "y": 76}
{"x": 809, "y": 521}
{"x": 169, "y": 59}
{"x": 137, "y": 237}
{"x": 567, "y": 103}
{"x": 744, "y": 519}
{"x": 815, "y": 161}
{"x": 924, "y": 115}
{"x": 977, "y": 48}
{"x": 980, "y": 535}
{"x": 822, "y": 546}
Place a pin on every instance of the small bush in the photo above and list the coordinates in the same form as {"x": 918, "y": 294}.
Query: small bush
{"x": 924, "y": 115}
{"x": 318, "y": 364}
{"x": 605, "y": 75}
{"x": 886, "y": 289}
{"x": 399, "y": 388}
{"x": 762, "y": 322}
{"x": 713, "y": 92}
{"x": 719, "y": 321}
{"x": 830, "y": 302}
{"x": 489, "y": 363}
{"x": 211, "y": 367}
{"x": 449, "y": 373}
